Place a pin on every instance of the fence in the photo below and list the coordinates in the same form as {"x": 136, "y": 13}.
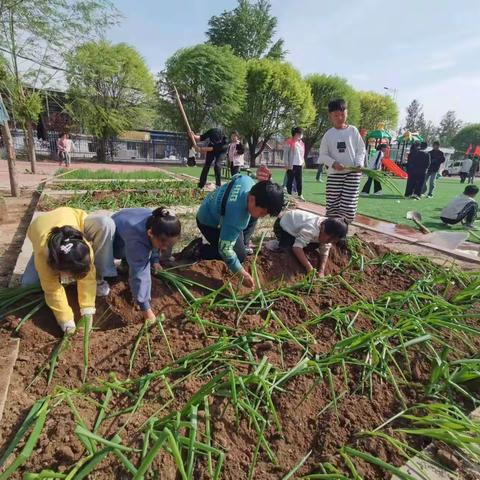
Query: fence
{"x": 163, "y": 147}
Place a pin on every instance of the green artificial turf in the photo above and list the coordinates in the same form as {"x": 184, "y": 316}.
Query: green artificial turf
{"x": 390, "y": 206}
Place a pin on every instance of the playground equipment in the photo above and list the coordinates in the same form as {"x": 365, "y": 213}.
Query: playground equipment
{"x": 377, "y": 137}
{"x": 404, "y": 141}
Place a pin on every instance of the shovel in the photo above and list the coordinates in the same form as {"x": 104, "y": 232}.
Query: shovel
{"x": 416, "y": 217}
{"x": 447, "y": 240}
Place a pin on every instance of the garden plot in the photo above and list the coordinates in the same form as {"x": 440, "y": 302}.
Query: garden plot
{"x": 123, "y": 189}
{"x": 346, "y": 376}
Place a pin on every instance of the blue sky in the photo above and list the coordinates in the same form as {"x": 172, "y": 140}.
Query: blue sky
{"x": 426, "y": 49}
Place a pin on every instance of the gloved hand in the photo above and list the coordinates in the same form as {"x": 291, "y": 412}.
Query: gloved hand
{"x": 68, "y": 327}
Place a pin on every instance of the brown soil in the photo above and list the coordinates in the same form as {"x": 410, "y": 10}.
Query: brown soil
{"x": 298, "y": 408}
{"x": 12, "y": 231}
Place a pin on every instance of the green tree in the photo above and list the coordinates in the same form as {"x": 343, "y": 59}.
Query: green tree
{"x": 35, "y": 35}
{"x": 110, "y": 90}
{"x": 466, "y": 136}
{"x": 414, "y": 110}
{"x": 325, "y": 88}
{"x": 427, "y": 129}
{"x": 449, "y": 127}
{"x": 277, "y": 99}
{"x": 211, "y": 84}
{"x": 249, "y": 29}
{"x": 375, "y": 109}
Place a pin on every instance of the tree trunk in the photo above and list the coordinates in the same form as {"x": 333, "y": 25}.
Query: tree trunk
{"x": 251, "y": 148}
{"x": 101, "y": 150}
{"x": 32, "y": 156}
{"x": 308, "y": 147}
{"x": 11, "y": 158}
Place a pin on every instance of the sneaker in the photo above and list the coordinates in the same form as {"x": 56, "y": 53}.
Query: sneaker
{"x": 430, "y": 195}
{"x": 249, "y": 250}
{"x": 122, "y": 269}
{"x": 192, "y": 250}
{"x": 363, "y": 194}
{"x": 471, "y": 227}
{"x": 378, "y": 193}
{"x": 301, "y": 197}
{"x": 103, "y": 288}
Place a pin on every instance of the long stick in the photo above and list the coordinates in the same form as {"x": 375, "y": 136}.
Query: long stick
{"x": 184, "y": 116}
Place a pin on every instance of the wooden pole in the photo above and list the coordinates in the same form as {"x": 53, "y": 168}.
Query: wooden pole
{"x": 184, "y": 116}
{"x": 10, "y": 151}
{"x": 11, "y": 159}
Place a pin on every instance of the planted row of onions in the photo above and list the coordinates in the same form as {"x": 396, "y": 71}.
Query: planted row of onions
{"x": 432, "y": 319}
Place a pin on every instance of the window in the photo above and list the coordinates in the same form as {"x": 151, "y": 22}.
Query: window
{"x": 131, "y": 146}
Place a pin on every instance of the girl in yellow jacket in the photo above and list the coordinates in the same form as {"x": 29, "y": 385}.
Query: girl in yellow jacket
{"x": 61, "y": 252}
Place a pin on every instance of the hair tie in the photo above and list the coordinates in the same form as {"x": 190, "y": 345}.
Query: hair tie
{"x": 66, "y": 248}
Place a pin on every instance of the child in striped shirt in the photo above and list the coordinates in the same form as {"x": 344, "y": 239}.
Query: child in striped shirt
{"x": 343, "y": 149}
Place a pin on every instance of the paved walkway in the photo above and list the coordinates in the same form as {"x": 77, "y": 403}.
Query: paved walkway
{"x": 467, "y": 252}
{"x": 46, "y": 169}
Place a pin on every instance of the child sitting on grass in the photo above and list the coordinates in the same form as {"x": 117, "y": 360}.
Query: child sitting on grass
{"x": 299, "y": 229}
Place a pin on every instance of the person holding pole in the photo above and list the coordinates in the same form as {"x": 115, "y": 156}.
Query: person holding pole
{"x": 215, "y": 151}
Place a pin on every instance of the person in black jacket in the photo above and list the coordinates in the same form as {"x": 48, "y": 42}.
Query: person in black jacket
{"x": 216, "y": 151}
{"x": 417, "y": 166}
{"x": 436, "y": 160}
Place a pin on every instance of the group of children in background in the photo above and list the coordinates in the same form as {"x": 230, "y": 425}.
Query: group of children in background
{"x": 68, "y": 244}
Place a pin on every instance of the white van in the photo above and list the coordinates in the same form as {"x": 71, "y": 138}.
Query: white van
{"x": 452, "y": 167}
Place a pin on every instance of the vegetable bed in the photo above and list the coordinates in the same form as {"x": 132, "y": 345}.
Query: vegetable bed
{"x": 342, "y": 377}
{"x": 118, "y": 199}
{"x": 122, "y": 185}
{"x": 105, "y": 173}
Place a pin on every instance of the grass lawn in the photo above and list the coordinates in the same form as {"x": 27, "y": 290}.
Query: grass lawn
{"x": 390, "y": 206}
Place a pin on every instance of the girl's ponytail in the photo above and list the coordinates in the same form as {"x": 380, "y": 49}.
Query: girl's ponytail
{"x": 164, "y": 222}
{"x": 68, "y": 251}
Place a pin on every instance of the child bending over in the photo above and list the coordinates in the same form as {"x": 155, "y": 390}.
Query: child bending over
{"x": 298, "y": 229}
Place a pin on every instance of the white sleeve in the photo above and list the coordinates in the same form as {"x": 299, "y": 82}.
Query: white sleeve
{"x": 324, "y": 156}
{"x": 360, "y": 151}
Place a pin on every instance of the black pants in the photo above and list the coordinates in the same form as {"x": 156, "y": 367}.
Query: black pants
{"x": 209, "y": 251}
{"x": 295, "y": 173}
{"x": 377, "y": 186}
{"x": 463, "y": 177}
{"x": 208, "y": 162}
{"x": 283, "y": 237}
{"x": 415, "y": 183}
{"x": 467, "y": 215}
{"x": 234, "y": 169}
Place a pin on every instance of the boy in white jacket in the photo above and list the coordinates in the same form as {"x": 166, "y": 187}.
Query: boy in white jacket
{"x": 342, "y": 148}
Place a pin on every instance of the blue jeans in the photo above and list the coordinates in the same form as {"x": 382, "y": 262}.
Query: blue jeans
{"x": 430, "y": 179}
{"x": 99, "y": 230}
{"x": 319, "y": 172}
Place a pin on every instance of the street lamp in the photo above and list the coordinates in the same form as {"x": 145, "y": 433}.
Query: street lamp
{"x": 394, "y": 90}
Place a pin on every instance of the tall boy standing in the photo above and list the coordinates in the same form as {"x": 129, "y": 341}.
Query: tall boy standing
{"x": 342, "y": 148}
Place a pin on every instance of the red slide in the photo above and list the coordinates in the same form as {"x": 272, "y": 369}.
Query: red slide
{"x": 391, "y": 166}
